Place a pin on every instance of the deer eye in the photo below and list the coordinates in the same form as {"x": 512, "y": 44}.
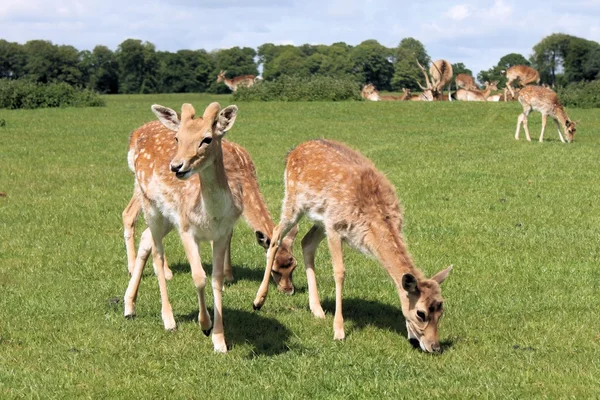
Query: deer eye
{"x": 176, "y": 140}
{"x": 421, "y": 316}
{"x": 206, "y": 140}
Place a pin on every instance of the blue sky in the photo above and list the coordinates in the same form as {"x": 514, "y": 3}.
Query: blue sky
{"x": 476, "y": 33}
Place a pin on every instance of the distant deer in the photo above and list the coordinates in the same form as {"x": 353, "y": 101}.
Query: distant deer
{"x": 206, "y": 211}
{"x": 234, "y": 83}
{"x": 403, "y": 97}
{"x": 243, "y": 184}
{"x": 546, "y": 102}
{"x": 441, "y": 74}
{"x": 465, "y": 81}
{"x": 369, "y": 92}
{"x": 523, "y": 73}
{"x": 350, "y": 200}
{"x": 475, "y": 95}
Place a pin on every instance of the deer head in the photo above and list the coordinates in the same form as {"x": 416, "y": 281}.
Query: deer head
{"x": 422, "y": 306}
{"x": 570, "y": 130}
{"x": 221, "y": 77}
{"x": 370, "y": 93}
{"x": 198, "y": 139}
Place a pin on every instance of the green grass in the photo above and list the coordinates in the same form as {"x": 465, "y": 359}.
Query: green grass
{"x": 520, "y": 221}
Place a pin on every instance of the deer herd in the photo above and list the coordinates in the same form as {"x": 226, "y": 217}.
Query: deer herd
{"x": 189, "y": 178}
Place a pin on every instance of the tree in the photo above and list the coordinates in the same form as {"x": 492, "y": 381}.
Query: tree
{"x": 406, "y": 70}
{"x": 371, "y": 64}
{"x": 460, "y": 68}
{"x": 138, "y": 67}
{"x": 102, "y": 69}
{"x": 12, "y": 60}
{"x": 495, "y": 73}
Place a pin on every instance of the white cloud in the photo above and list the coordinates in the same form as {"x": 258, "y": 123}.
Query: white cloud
{"x": 458, "y": 13}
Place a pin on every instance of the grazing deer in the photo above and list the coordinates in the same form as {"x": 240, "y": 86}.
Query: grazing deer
{"x": 234, "y": 83}
{"x": 465, "y": 81}
{"x": 475, "y": 95}
{"x": 206, "y": 211}
{"x": 441, "y": 74}
{"x": 241, "y": 177}
{"x": 350, "y": 200}
{"x": 546, "y": 102}
{"x": 523, "y": 73}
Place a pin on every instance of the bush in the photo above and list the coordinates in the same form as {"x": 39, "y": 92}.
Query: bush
{"x": 292, "y": 88}
{"x": 16, "y": 94}
{"x": 581, "y": 94}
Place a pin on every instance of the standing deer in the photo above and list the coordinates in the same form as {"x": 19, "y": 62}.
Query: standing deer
{"x": 241, "y": 177}
{"x": 350, "y": 200}
{"x": 206, "y": 211}
{"x": 441, "y": 74}
{"x": 234, "y": 83}
{"x": 546, "y": 102}
{"x": 475, "y": 95}
{"x": 465, "y": 81}
{"x": 523, "y": 73}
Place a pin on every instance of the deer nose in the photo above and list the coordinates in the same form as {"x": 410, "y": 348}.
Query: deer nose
{"x": 176, "y": 167}
{"x": 436, "y": 348}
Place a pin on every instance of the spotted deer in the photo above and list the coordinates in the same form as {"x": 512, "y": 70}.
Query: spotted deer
{"x": 546, "y": 102}
{"x": 350, "y": 201}
{"x": 523, "y": 73}
{"x": 243, "y": 183}
{"x": 206, "y": 211}
{"x": 234, "y": 83}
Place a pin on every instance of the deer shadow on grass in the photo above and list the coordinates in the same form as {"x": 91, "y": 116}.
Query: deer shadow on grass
{"x": 267, "y": 336}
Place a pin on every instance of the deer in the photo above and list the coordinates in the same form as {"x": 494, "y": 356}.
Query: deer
{"x": 510, "y": 97}
{"x": 350, "y": 201}
{"x": 441, "y": 74}
{"x": 406, "y": 94}
{"x": 206, "y": 211}
{"x": 369, "y": 92}
{"x": 523, "y": 73}
{"x": 243, "y": 183}
{"x": 234, "y": 83}
{"x": 546, "y": 102}
{"x": 475, "y": 95}
{"x": 465, "y": 81}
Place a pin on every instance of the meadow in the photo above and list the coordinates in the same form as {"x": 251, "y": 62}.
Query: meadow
{"x": 519, "y": 221}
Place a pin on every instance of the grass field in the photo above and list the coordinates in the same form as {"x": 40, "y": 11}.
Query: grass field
{"x": 520, "y": 222}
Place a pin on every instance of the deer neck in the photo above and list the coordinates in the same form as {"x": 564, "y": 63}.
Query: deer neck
{"x": 561, "y": 116}
{"x": 214, "y": 189}
{"x": 229, "y": 83}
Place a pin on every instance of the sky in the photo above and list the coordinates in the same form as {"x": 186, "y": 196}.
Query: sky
{"x": 476, "y": 33}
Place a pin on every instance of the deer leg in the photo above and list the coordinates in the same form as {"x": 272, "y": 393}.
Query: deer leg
{"x": 335, "y": 248}
{"x": 227, "y": 260}
{"x": 520, "y": 120}
{"x": 220, "y": 248}
{"x": 512, "y": 92}
{"x": 279, "y": 232}
{"x": 136, "y": 274}
{"x": 544, "y": 120}
{"x": 310, "y": 242}
{"x": 130, "y": 215}
{"x": 562, "y": 139}
{"x": 199, "y": 277}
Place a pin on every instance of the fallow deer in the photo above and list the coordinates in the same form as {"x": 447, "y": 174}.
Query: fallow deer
{"x": 546, "y": 102}
{"x": 369, "y": 92}
{"x": 350, "y": 200}
{"x": 465, "y": 81}
{"x": 441, "y": 74}
{"x": 523, "y": 73}
{"x": 243, "y": 183}
{"x": 234, "y": 83}
{"x": 403, "y": 97}
{"x": 510, "y": 97}
{"x": 206, "y": 211}
{"x": 475, "y": 95}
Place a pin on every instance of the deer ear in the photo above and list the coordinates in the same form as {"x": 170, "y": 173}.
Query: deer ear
{"x": 169, "y": 118}
{"x": 409, "y": 283}
{"x": 225, "y": 119}
{"x": 442, "y": 275}
{"x": 262, "y": 239}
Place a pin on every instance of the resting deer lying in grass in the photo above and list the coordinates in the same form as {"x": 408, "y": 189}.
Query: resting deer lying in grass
{"x": 350, "y": 200}
{"x": 546, "y": 102}
{"x": 475, "y": 95}
{"x": 465, "y": 81}
{"x": 406, "y": 94}
{"x": 234, "y": 83}
{"x": 441, "y": 74}
{"x": 523, "y": 73}
{"x": 369, "y": 92}
{"x": 243, "y": 184}
{"x": 206, "y": 211}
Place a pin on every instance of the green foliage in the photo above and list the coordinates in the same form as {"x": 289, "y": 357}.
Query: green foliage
{"x": 406, "y": 71}
{"x": 371, "y": 64}
{"x": 294, "y": 88}
{"x": 138, "y": 67}
{"x": 495, "y": 73}
{"x": 15, "y": 94}
{"x": 461, "y": 68}
{"x": 581, "y": 94}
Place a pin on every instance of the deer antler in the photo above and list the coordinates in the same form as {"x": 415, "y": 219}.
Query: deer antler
{"x": 429, "y": 86}
{"x": 437, "y": 84}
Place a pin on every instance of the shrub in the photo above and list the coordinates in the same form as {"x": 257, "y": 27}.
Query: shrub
{"x": 16, "y": 94}
{"x": 293, "y": 88}
{"x": 581, "y": 94}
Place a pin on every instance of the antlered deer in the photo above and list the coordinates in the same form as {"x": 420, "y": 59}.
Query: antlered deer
{"x": 475, "y": 95}
{"x": 523, "y": 73}
{"x": 234, "y": 83}
{"x": 203, "y": 212}
{"x": 546, "y": 102}
{"x": 241, "y": 177}
{"x": 441, "y": 74}
{"x": 465, "y": 81}
{"x": 350, "y": 200}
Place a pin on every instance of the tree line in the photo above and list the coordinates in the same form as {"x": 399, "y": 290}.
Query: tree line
{"x": 137, "y": 67}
